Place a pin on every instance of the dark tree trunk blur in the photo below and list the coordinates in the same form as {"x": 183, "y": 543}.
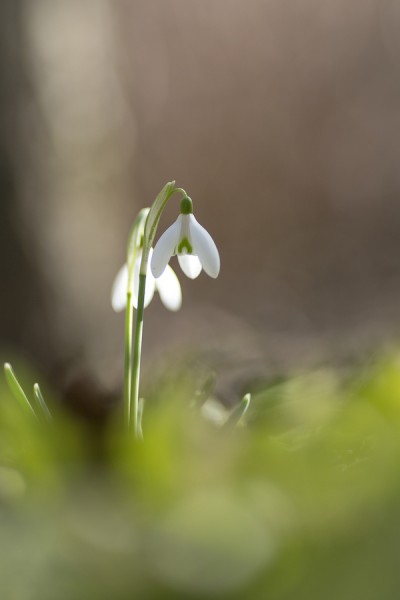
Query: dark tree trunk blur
{"x": 23, "y": 316}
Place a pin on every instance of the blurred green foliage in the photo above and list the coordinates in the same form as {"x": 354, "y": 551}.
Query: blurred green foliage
{"x": 300, "y": 503}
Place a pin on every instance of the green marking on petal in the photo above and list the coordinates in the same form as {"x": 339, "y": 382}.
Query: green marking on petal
{"x": 184, "y": 247}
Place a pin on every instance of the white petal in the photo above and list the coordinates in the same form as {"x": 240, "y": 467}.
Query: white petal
{"x": 169, "y": 288}
{"x": 150, "y": 287}
{"x": 205, "y": 248}
{"x": 135, "y": 282}
{"x": 150, "y": 284}
{"x": 190, "y": 265}
{"x": 165, "y": 248}
{"x": 119, "y": 289}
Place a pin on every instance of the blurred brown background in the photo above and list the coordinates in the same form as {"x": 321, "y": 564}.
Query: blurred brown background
{"x": 281, "y": 120}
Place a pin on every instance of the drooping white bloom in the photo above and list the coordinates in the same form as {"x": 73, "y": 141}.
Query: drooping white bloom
{"x": 192, "y": 244}
{"x": 168, "y": 287}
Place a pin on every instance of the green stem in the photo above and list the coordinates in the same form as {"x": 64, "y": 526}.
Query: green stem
{"x": 180, "y": 191}
{"x": 134, "y": 243}
{"x": 145, "y": 226}
{"x": 137, "y": 355}
{"x": 128, "y": 360}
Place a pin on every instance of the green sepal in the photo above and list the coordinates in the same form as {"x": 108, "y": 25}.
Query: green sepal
{"x": 186, "y": 206}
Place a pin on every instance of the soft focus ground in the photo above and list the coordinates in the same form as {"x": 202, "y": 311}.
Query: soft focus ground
{"x": 299, "y": 503}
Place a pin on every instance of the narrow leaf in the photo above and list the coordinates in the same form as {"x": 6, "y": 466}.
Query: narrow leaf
{"x": 140, "y": 418}
{"x": 40, "y": 401}
{"x": 237, "y": 414}
{"x": 16, "y": 389}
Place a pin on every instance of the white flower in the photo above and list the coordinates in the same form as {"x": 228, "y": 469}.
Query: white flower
{"x": 192, "y": 244}
{"x": 168, "y": 287}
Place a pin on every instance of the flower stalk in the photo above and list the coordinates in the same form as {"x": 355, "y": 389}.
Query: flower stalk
{"x": 128, "y": 358}
{"x": 137, "y": 355}
{"x": 196, "y": 250}
{"x": 142, "y": 237}
{"x": 133, "y": 247}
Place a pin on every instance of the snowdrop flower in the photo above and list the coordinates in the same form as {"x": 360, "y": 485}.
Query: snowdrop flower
{"x": 192, "y": 244}
{"x": 167, "y": 285}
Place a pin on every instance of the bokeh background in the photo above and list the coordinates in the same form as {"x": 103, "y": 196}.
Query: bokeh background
{"x": 281, "y": 120}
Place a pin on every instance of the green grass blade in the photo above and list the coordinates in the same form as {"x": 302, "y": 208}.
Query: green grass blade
{"x": 140, "y": 418}
{"x": 237, "y": 414}
{"x": 17, "y": 390}
{"x": 41, "y": 402}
